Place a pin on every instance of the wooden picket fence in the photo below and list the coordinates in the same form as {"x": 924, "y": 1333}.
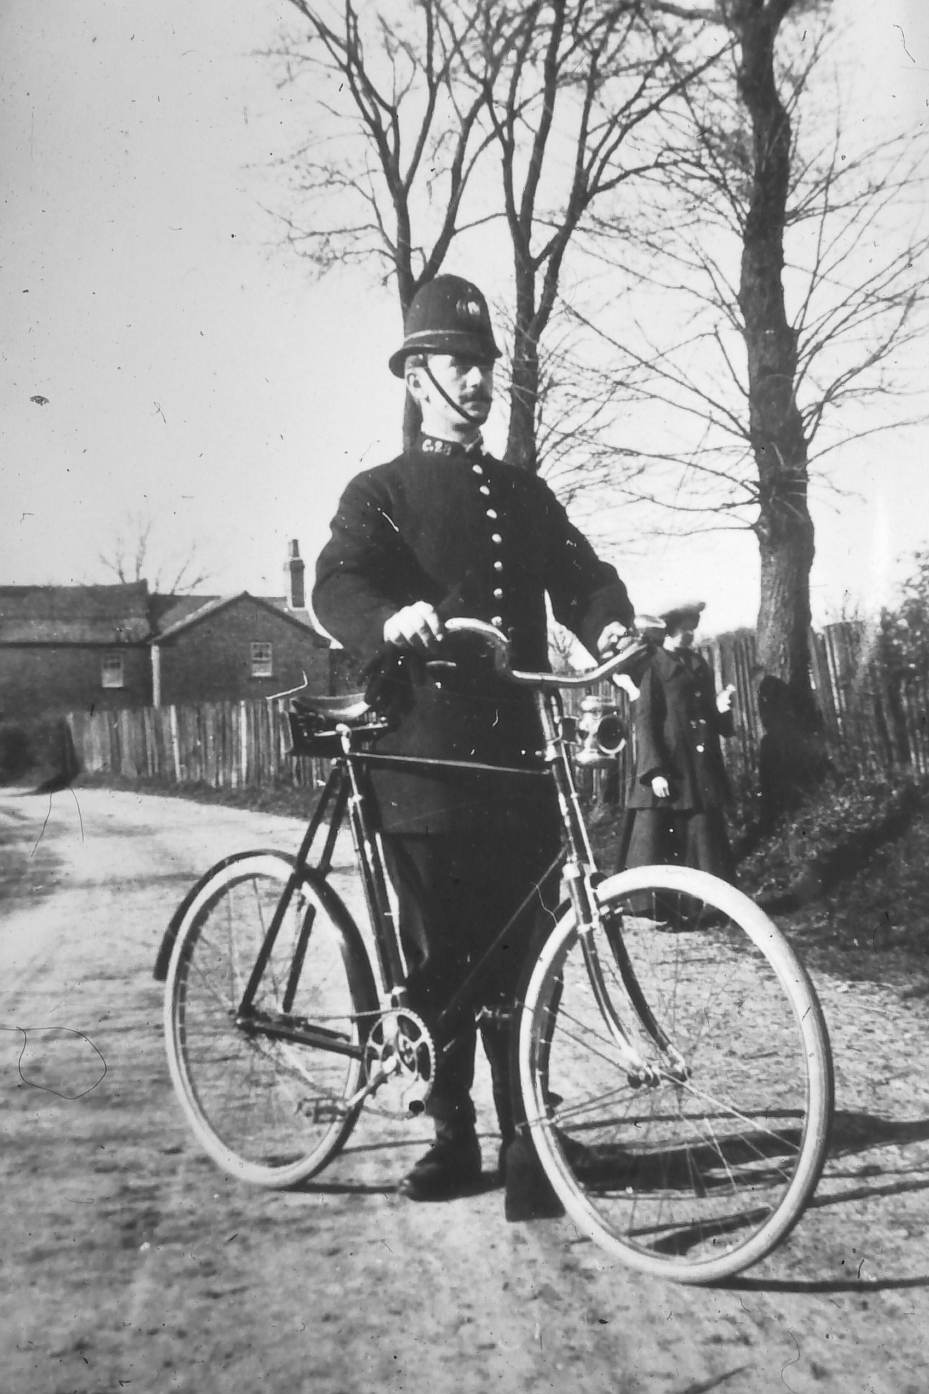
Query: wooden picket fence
{"x": 875, "y": 724}
{"x": 225, "y": 745}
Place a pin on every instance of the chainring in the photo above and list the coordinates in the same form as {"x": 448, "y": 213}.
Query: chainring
{"x": 400, "y": 1058}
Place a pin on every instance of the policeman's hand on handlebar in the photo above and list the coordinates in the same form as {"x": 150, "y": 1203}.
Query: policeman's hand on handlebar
{"x": 416, "y": 626}
{"x": 612, "y": 637}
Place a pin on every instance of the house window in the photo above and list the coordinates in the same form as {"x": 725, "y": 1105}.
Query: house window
{"x": 262, "y": 661}
{"x": 113, "y": 674}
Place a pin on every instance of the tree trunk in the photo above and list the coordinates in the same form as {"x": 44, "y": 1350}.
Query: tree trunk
{"x": 524, "y": 385}
{"x": 785, "y": 541}
{"x": 524, "y": 393}
{"x": 407, "y": 286}
{"x": 783, "y": 527}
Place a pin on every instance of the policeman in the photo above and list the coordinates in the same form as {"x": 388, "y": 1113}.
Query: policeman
{"x": 680, "y": 789}
{"x": 446, "y": 530}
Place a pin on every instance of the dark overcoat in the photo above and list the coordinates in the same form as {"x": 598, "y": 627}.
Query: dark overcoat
{"x": 677, "y": 728}
{"x": 473, "y": 537}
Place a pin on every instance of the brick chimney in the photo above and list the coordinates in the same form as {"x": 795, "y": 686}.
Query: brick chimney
{"x": 294, "y": 585}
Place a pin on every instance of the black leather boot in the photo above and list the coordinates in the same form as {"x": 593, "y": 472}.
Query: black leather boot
{"x": 529, "y": 1194}
{"x": 451, "y": 1167}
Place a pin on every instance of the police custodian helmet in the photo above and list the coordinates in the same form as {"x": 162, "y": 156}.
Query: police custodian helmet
{"x": 446, "y": 315}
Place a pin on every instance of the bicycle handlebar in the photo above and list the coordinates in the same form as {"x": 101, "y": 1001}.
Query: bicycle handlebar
{"x": 616, "y": 663}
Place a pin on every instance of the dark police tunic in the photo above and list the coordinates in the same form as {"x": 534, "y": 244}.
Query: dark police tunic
{"x": 477, "y": 538}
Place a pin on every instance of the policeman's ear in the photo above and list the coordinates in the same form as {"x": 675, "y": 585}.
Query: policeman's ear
{"x": 415, "y": 377}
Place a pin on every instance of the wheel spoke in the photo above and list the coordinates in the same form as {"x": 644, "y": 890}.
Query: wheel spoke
{"x": 270, "y": 1109}
{"x": 700, "y": 1171}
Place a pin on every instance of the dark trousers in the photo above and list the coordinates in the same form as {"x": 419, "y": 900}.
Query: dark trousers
{"x": 455, "y": 893}
{"x": 692, "y": 837}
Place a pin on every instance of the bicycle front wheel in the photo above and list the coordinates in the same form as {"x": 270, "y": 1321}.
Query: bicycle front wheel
{"x": 695, "y": 1164}
{"x": 268, "y": 1090}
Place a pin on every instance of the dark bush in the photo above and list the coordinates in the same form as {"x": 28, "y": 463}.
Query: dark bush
{"x": 829, "y": 838}
{"x": 38, "y": 752}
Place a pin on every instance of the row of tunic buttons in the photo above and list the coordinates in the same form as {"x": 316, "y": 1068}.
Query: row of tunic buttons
{"x": 496, "y": 539}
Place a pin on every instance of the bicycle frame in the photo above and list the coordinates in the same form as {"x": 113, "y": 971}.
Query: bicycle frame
{"x": 343, "y": 794}
{"x": 693, "y": 1177}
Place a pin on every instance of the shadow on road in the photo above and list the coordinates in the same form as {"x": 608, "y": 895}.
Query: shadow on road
{"x": 395, "y": 1164}
{"x": 858, "y": 1131}
{"x": 824, "y": 1285}
{"x": 852, "y": 1133}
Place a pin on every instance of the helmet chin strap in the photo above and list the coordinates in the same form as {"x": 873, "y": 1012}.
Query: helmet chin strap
{"x": 446, "y": 398}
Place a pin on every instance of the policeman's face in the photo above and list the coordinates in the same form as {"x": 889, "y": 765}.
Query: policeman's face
{"x": 460, "y": 396}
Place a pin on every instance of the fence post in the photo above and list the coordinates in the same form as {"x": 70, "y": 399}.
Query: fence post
{"x": 175, "y": 743}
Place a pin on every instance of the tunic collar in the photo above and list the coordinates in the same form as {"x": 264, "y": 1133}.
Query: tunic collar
{"x": 434, "y": 445}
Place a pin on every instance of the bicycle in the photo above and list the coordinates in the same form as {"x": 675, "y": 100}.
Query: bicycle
{"x": 671, "y": 1057}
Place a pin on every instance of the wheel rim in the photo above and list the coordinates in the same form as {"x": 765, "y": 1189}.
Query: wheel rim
{"x": 265, "y": 1108}
{"x": 695, "y": 1177}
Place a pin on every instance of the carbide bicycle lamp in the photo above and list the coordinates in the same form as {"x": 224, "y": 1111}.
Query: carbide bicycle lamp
{"x": 603, "y": 731}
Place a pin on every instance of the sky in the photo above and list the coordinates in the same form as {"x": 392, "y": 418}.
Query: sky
{"x": 195, "y": 372}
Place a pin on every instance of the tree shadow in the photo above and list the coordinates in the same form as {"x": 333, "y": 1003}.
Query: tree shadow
{"x": 852, "y": 1132}
{"x": 855, "y": 1132}
{"x": 395, "y": 1148}
{"x": 823, "y": 1285}
{"x": 489, "y": 1181}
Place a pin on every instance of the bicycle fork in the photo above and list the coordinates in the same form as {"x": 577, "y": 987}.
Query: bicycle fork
{"x": 580, "y": 876}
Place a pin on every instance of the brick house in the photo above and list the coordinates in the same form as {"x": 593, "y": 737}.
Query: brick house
{"x": 67, "y": 648}
{"x": 234, "y": 647}
{"x": 73, "y": 646}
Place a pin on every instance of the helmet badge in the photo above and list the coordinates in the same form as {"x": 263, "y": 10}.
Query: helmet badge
{"x": 468, "y": 309}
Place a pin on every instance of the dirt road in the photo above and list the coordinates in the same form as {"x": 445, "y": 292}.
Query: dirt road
{"x": 131, "y": 1263}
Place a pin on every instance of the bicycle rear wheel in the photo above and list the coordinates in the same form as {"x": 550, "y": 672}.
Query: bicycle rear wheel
{"x": 268, "y": 1106}
{"x": 702, "y": 1171}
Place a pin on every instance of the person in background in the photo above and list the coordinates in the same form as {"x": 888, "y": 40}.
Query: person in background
{"x": 447, "y": 530}
{"x": 679, "y": 790}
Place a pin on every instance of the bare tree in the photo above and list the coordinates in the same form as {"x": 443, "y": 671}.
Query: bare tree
{"x": 599, "y": 114}
{"x": 407, "y": 108}
{"x": 395, "y": 137}
{"x": 760, "y": 210}
{"x": 577, "y": 86}
{"x": 130, "y": 559}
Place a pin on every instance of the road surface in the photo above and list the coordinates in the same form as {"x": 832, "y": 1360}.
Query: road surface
{"x": 132, "y": 1263}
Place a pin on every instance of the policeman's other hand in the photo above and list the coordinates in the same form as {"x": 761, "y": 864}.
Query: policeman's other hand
{"x": 416, "y": 626}
{"x": 724, "y": 699}
{"x": 612, "y": 637}
{"x": 660, "y": 787}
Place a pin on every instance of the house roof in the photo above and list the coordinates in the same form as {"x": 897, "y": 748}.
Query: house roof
{"x": 120, "y": 614}
{"x": 175, "y": 622}
{"x": 167, "y": 610}
{"x": 117, "y": 614}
